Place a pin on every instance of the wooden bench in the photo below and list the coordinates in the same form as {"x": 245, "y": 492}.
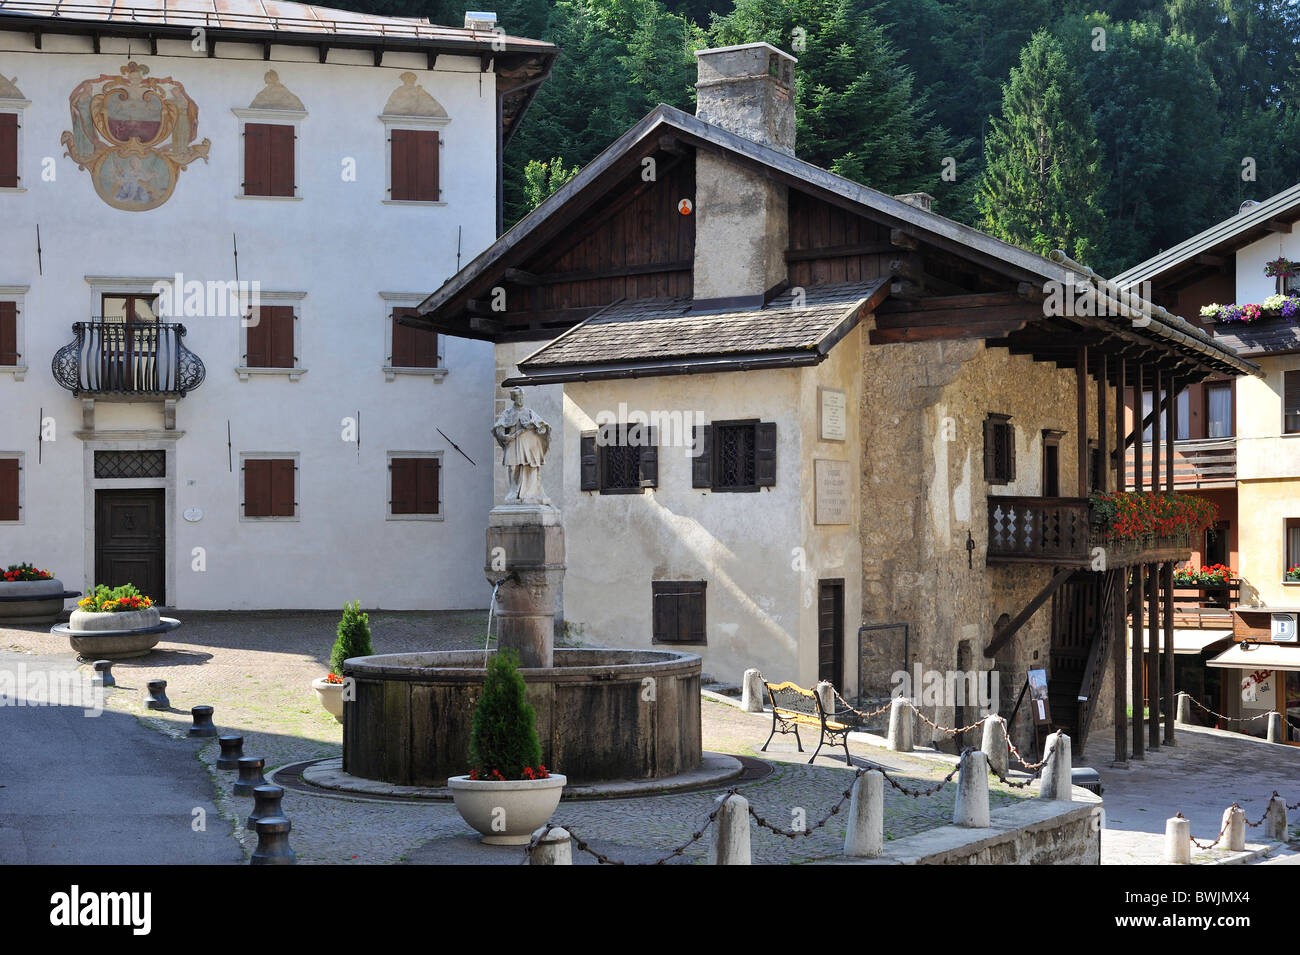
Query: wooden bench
{"x": 793, "y": 706}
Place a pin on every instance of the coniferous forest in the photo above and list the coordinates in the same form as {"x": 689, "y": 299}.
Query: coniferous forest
{"x": 1111, "y": 129}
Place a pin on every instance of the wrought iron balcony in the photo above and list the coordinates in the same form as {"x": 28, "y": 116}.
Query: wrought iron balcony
{"x": 1057, "y": 531}
{"x": 141, "y": 359}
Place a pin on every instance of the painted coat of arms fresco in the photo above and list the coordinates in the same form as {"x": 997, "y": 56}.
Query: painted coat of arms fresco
{"x": 135, "y": 135}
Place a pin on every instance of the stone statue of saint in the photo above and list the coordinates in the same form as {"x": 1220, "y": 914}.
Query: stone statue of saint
{"x": 524, "y": 438}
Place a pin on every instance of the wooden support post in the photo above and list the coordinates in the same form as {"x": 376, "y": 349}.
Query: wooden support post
{"x": 1121, "y": 466}
{"x": 1103, "y": 472}
{"x": 1136, "y": 683}
{"x": 1118, "y": 646}
{"x": 1153, "y": 655}
{"x": 1171, "y": 711}
{"x": 1081, "y": 416}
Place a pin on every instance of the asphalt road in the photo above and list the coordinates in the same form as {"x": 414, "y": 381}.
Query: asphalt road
{"x": 91, "y": 790}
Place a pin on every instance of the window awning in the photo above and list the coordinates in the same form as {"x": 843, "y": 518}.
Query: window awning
{"x": 1259, "y": 656}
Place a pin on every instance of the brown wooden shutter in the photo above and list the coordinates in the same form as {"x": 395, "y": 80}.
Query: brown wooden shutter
{"x": 1291, "y": 400}
{"x": 428, "y": 471}
{"x": 257, "y": 488}
{"x": 765, "y": 454}
{"x": 257, "y": 159}
{"x": 404, "y": 485}
{"x": 8, "y": 150}
{"x": 414, "y": 165}
{"x": 590, "y": 467}
{"x": 702, "y": 464}
{"x": 10, "y": 507}
{"x": 9, "y": 333}
{"x": 283, "y": 501}
{"x": 648, "y": 457}
{"x": 280, "y": 165}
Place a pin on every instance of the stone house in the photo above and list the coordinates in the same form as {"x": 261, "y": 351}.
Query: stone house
{"x": 813, "y": 428}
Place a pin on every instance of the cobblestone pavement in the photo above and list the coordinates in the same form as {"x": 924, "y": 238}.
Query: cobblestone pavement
{"x": 256, "y": 670}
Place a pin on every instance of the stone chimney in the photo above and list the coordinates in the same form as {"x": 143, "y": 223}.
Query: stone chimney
{"x": 742, "y": 225}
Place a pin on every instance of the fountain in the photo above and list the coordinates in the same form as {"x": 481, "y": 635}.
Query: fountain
{"x": 602, "y": 715}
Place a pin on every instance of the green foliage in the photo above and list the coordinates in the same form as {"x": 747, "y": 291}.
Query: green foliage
{"x": 1043, "y": 179}
{"x": 543, "y": 178}
{"x": 353, "y": 638}
{"x": 503, "y": 738}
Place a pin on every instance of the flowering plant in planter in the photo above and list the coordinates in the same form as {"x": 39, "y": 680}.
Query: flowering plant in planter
{"x": 114, "y": 600}
{"x": 1213, "y": 576}
{"x": 1142, "y": 515}
{"x": 24, "y": 572}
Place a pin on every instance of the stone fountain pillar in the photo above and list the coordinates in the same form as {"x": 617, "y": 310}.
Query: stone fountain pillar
{"x": 525, "y": 539}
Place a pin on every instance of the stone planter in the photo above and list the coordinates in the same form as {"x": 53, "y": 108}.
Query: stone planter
{"x": 507, "y": 811}
{"x": 330, "y": 696}
{"x": 115, "y": 636}
{"x": 31, "y": 601}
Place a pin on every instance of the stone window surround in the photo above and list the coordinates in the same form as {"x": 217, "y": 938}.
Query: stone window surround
{"x": 17, "y": 294}
{"x": 16, "y": 106}
{"x": 297, "y": 371}
{"x": 393, "y": 121}
{"x": 21, "y": 457}
{"x": 388, "y": 486}
{"x": 405, "y": 300}
{"x": 279, "y": 117}
{"x": 295, "y": 456}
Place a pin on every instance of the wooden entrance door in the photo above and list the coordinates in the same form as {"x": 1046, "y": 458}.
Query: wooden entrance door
{"x": 130, "y": 535}
{"x": 830, "y": 632}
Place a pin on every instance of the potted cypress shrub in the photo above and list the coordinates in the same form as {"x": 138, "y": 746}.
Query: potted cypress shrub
{"x": 352, "y": 640}
{"x": 508, "y": 793}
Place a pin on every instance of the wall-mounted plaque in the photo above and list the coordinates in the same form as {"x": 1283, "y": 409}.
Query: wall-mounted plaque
{"x": 831, "y": 483}
{"x": 832, "y": 414}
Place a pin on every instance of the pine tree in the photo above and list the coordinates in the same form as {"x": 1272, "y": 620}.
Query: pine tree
{"x": 1043, "y": 180}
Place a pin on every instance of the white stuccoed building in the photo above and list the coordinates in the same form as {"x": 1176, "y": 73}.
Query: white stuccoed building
{"x": 333, "y": 162}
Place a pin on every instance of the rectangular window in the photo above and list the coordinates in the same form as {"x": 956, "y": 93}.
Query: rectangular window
{"x": 414, "y": 169}
{"x": 414, "y": 486}
{"x": 271, "y": 339}
{"x": 619, "y": 459}
{"x": 999, "y": 449}
{"x": 1218, "y": 409}
{"x": 413, "y": 347}
{"x": 11, "y": 488}
{"x": 268, "y": 159}
{"x": 9, "y": 151}
{"x": 678, "y": 612}
{"x": 270, "y": 487}
{"x": 1290, "y": 397}
{"x": 9, "y": 333}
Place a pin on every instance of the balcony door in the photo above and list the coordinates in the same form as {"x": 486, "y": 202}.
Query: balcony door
{"x": 128, "y": 343}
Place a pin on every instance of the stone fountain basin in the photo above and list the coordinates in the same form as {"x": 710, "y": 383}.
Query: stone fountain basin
{"x": 601, "y": 714}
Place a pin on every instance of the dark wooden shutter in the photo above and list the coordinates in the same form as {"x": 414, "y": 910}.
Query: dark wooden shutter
{"x": 648, "y": 457}
{"x": 1291, "y": 399}
{"x": 702, "y": 464}
{"x": 8, "y": 150}
{"x": 414, "y": 165}
{"x": 9, "y": 505}
{"x": 257, "y": 488}
{"x": 427, "y": 470}
{"x": 765, "y": 454}
{"x": 280, "y": 165}
{"x": 9, "y": 333}
{"x": 403, "y": 499}
{"x": 283, "y": 500}
{"x": 590, "y": 465}
{"x": 257, "y": 159}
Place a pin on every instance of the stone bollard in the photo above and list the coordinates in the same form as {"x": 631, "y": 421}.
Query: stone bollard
{"x": 866, "y": 832}
{"x": 202, "y": 728}
{"x": 232, "y": 747}
{"x": 753, "y": 695}
{"x": 1275, "y": 734}
{"x": 250, "y": 775}
{"x": 730, "y": 832}
{"x": 1184, "y": 714}
{"x": 994, "y": 745}
{"x": 1275, "y": 820}
{"x": 971, "y": 810}
{"x": 901, "y": 720}
{"x": 273, "y": 842}
{"x": 155, "y": 697}
{"x": 554, "y": 848}
{"x": 1178, "y": 840}
{"x": 266, "y": 804}
{"x": 1234, "y": 829}
{"x": 1056, "y": 782}
{"x": 103, "y": 673}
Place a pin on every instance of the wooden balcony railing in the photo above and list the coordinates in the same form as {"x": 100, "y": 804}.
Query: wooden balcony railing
{"x": 113, "y": 358}
{"x": 1056, "y": 531}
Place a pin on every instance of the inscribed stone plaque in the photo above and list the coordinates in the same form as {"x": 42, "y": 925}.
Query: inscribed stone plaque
{"x": 833, "y": 414}
{"x": 831, "y": 492}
